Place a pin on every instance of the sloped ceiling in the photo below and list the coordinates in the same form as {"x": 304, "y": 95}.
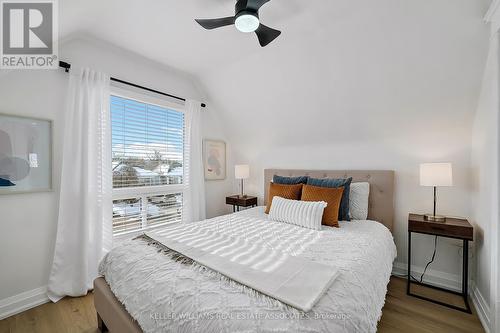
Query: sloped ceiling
{"x": 340, "y": 67}
{"x": 165, "y": 30}
{"x": 350, "y": 84}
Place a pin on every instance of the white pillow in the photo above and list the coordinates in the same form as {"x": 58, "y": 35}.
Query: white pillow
{"x": 358, "y": 201}
{"x": 307, "y": 214}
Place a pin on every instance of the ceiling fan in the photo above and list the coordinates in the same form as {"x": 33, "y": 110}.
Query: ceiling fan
{"x": 246, "y": 19}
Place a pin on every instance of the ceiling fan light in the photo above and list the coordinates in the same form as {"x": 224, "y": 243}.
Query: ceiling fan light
{"x": 247, "y": 23}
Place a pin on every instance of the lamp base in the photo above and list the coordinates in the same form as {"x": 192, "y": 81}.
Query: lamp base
{"x": 434, "y": 218}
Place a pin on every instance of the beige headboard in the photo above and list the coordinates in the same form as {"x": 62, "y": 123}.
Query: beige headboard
{"x": 381, "y": 199}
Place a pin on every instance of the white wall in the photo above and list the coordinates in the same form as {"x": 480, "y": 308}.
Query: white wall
{"x": 387, "y": 86}
{"x": 217, "y": 190}
{"x": 485, "y": 170}
{"x": 402, "y": 154}
{"x": 29, "y": 220}
{"x": 378, "y": 85}
{"x": 485, "y": 167}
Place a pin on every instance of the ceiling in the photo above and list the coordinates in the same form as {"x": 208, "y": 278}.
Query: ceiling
{"x": 165, "y": 30}
{"x": 349, "y": 65}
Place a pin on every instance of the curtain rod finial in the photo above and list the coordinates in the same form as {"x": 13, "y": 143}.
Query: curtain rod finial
{"x": 65, "y": 65}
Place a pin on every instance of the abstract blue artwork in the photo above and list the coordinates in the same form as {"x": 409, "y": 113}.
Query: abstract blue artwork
{"x": 25, "y": 154}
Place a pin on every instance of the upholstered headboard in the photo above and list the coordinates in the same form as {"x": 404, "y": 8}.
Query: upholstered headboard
{"x": 381, "y": 199}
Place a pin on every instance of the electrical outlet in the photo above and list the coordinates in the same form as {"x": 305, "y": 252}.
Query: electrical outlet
{"x": 33, "y": 158}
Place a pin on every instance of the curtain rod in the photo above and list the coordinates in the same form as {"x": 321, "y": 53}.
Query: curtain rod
{"x": 67, "y": 67}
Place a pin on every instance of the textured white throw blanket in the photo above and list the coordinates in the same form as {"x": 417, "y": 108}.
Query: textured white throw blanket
{"x": 168, "y": 295}
{"x": 292, "y": 280}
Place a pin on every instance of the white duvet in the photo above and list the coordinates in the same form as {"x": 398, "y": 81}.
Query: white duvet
{"x": 165, "y": 295}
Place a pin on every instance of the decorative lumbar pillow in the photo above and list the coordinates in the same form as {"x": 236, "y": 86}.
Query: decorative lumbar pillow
{"x": 290, "y": 180}
{"x": 358, "y": 201}
{"x": 331, "y": 195}
{"x": 291, "y": 192}
{"x": 336, "y": 182}
{"x": 301, "y": 213}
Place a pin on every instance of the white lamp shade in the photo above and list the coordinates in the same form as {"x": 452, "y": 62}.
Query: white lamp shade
{"x": 242, "y": 171}
{"x": 436, "y": 174}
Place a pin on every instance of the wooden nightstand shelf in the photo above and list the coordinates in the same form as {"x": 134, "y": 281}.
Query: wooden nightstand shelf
{"x": 238, "y": 201}
{"x": 451, "y": 228}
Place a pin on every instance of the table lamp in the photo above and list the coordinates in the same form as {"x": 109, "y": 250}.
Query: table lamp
{"x": 242, "y": 172}
{"x": 435, "y": 174}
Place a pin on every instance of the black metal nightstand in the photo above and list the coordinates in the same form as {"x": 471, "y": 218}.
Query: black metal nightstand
{"x": 238, "y": 201}
{"x": 451, "y": 228}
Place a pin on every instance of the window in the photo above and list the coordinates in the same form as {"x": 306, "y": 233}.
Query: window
{"x": 148, "y": 151}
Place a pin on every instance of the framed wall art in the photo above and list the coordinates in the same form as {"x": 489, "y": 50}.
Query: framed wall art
{"x": 25, "y": 154}
{"x": 214, "y": 159}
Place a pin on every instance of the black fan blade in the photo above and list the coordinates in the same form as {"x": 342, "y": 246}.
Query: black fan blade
{"x": 256, "y": 4}
{"x": 215, "y": 23}
{"x": 266, "y": 35}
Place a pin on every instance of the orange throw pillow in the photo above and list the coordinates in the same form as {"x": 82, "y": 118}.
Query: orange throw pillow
{"x": 331, "y": 195}
{"x": 291, "y": 192}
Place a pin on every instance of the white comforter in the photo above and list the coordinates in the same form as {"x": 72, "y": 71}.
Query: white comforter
{"x": 165, "y": 295}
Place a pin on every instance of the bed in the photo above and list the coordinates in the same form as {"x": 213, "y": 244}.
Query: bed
{"x": 144, "y": 290}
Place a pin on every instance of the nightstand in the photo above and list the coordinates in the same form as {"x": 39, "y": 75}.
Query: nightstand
{"x": 238, "y": 201}
{"x": 451, "y": 228}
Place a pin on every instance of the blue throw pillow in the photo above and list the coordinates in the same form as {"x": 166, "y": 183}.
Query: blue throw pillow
{"x": 336, "y": 182}
{"x": 290, "y": 180}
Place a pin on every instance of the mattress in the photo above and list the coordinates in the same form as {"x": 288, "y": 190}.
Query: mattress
{"x": 164, "y": 294}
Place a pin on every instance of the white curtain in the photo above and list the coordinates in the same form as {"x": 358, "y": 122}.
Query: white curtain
{"x": 84, "y": 230}
{"x": 194, "y": 181}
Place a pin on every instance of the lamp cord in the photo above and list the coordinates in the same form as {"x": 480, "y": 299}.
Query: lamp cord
{"x": 427, "y": 265}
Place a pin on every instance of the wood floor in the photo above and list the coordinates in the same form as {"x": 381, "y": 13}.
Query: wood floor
{"x": 401, "y": 313}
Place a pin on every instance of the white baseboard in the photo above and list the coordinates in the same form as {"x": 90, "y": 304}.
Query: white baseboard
{"x": 482, "y": 308}
{"x": 450, "y": 281}
{"x": 21, "y": 302}
{"x": 437, "y": 278}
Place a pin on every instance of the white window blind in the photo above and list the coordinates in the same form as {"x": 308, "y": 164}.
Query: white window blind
{"x": 148, "y": 150}
{"x": 144, "y": 212}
